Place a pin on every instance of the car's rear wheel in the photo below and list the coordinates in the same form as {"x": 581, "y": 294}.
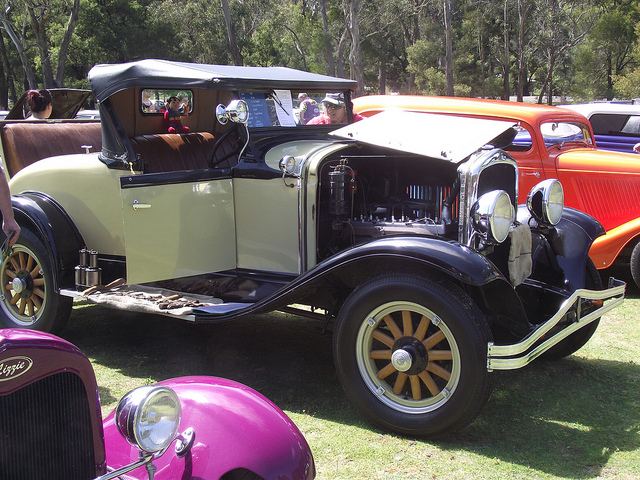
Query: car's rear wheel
{"x": 412, "y": 354}
{"x": 28, "y": 299}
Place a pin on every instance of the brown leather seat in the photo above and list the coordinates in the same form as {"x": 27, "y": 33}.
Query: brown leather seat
{"x": 24, "y": 143}
{"x": 169, "y": 152}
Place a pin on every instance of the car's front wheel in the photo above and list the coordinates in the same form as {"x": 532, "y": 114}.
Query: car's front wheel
{"x": 635, "y": 264}
{"x": 28, "y": 299}
{"x": 412, "y": 354}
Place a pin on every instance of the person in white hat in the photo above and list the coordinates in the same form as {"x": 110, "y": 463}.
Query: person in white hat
{"x": 335, "y": 111}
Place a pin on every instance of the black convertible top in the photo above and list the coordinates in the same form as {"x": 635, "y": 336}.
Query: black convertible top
{"x": 108, "y": 79}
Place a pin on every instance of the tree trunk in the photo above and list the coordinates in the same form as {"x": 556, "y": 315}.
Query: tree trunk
{"x": 26, "y": 64}
{"x": 340, "y": 55}
{"x": 38, "y": 16}
{"x": 481, "y": 53}
{"x": 547, "y": 82}
{"x": 328, "y": 50}
{"x": 523, "y": 10}
{"x": 236, "y": 56}
{"x": 448, "y": 7}
{"x": 507, "y": 59}
{"x": 66, "y": 40}
{"x": 352, "y": 11}
{"x": 609, "y": 77}
{"x": 5, "y": 76}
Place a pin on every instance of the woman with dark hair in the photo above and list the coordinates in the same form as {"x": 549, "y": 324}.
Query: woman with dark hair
{"x": 40, "y": 103}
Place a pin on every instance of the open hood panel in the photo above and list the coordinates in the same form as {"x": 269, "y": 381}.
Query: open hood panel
{"x": 445, "y": 137}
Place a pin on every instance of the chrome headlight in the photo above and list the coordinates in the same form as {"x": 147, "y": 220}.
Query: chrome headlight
{"x": 546, "y": 202}
{"x": 149, "y": 417}
{"x": 288, "y": 165}
{"x": 492, "y": 215}
{"x": 237, "y": 111}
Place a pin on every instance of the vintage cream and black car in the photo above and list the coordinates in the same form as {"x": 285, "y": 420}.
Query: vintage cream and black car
{"x": 400, "y": 232}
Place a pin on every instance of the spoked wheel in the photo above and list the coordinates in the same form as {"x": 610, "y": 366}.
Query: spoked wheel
{"x": 394, "y": 352}
{"x": 28, "y": 299}
{"x": 412, "y": 354}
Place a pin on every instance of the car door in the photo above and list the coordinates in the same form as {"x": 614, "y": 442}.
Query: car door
{"x": 178, "y": 224}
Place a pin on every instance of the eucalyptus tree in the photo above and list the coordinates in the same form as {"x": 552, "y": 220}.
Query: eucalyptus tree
{"x": 29, "y": 23}
{"x": 608, "y": 52}
{"x": 561, "y": 26}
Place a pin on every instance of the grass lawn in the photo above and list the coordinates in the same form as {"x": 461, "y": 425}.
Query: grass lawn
{"x": 577, "y": 418}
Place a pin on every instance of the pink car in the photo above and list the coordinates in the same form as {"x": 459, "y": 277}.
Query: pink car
{"x": 191, "y": 427}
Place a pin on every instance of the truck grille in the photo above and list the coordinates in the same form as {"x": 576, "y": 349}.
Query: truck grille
{"x": 45, "y": 431}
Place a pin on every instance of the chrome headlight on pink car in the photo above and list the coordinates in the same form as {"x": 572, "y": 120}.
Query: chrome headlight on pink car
{"x": 149, "y": 417}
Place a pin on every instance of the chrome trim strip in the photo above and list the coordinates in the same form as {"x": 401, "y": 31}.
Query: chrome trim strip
{"x": 613, "y": 297}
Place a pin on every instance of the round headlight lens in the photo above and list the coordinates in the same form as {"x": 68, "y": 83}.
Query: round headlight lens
{"x": 238, "y": 111}
{"x": 546, "y": 202}
{"x": 493, "y": 215}
{"x": 149, "y": 417}
{"x": 221, "y": 114}
{"x": 288, "y": 164}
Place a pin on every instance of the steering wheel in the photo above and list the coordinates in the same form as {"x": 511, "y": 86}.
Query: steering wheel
{"x": 213, "y": 161}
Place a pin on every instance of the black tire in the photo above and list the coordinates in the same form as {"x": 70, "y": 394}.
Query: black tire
{"x": 635, "y": 264}
{"x": 448, "y": 382}
{"x": 28, "y": 299}
{"x": 577, "y": 340}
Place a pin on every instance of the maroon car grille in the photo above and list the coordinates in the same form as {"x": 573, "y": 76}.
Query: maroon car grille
{"x": 45, "y": 431}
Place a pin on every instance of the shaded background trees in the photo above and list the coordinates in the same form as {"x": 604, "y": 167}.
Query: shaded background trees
{"x": 587, "y": 49}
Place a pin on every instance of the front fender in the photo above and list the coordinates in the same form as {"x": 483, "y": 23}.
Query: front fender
{"x": 576, "y": 233}
{"x": 54, "y": 227}
{"x": 449, "y": 257}
{"x": 605, "y": 249}
{"x": 235, "y": 428}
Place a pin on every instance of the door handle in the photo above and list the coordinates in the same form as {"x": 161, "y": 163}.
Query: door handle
{"x": 535, "y": 174}
{"x": 138, "y": 206}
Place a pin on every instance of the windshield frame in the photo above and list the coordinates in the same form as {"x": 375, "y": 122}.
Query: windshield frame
{"x": 561, "y": 132}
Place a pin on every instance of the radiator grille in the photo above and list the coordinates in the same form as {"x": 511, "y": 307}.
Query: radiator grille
{"x": 45, "y": 431}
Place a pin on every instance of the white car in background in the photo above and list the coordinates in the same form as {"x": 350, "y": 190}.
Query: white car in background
{"x": 616, "y": 125}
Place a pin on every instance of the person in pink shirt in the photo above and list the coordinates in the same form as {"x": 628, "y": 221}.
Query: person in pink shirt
{"x": 335, "y": 111}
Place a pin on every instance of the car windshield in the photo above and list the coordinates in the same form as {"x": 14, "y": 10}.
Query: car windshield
{"x": 284, "y": 108}
{"x": 557, "y": 133}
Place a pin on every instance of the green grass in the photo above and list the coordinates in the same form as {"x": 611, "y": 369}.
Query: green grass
{"x": 578, "y": 418}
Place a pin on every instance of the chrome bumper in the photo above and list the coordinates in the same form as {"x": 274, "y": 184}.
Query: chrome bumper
{"x": 517, "y": 355}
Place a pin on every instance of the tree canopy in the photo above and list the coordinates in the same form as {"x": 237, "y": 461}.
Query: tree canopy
{"x": 586, "y": 49}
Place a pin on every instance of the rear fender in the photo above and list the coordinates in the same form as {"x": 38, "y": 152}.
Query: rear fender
{"x": 49, "y": 221}
{"x": 235, "y": 428}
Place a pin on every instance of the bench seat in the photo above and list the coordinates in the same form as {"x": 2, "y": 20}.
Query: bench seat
{"x": 168, "y": 152}
{"x": 24, "y": 143}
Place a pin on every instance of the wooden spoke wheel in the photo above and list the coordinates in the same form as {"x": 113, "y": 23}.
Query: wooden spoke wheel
{"x": 409, "y": 357}
{"x": 411, "y": 352}
{"x": 24, "y": 285}
{"x": 28, "y": 299}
